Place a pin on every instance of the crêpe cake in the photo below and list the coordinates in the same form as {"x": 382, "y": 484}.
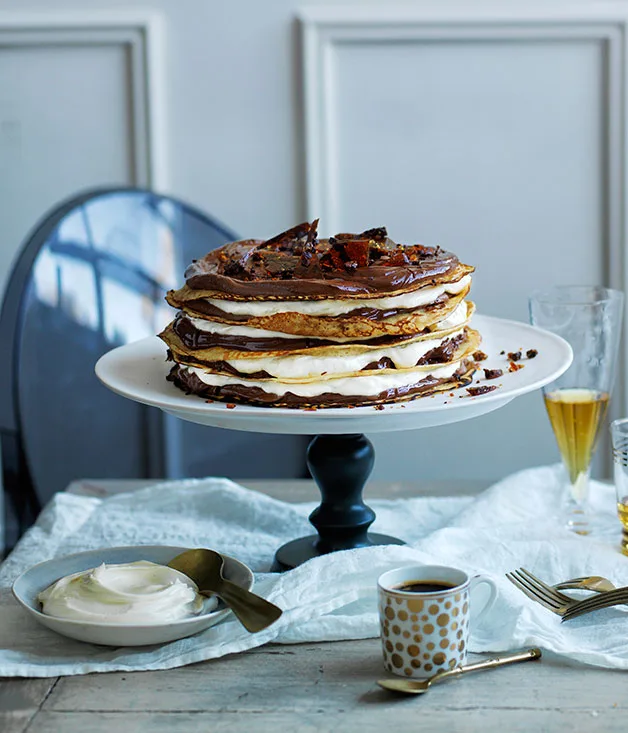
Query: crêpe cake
{"x": 299, "y": 322}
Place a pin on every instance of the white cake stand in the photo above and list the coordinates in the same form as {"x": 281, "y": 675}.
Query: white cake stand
{"x": 340, "y": 457}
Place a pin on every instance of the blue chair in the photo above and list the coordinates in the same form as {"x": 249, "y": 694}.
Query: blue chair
{"x": 91, "y": 276}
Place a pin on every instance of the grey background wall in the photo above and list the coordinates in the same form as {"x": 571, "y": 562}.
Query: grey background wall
{"x": 498, "y": 139}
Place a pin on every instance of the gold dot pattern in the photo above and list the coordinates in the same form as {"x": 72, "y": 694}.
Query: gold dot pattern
{"x": 422, "y": 637}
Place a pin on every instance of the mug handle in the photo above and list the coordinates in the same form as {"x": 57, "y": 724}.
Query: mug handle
{"x": 478, "y": 580}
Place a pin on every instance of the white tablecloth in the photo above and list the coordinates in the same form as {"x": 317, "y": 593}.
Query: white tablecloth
{"x": 514, "y": 523}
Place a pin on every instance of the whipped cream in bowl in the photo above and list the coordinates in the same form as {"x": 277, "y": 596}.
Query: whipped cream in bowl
{"x": 122, "y": 596}
{"x": 139, "y": 592}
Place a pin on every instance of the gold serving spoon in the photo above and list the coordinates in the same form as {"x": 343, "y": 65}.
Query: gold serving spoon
{"x": 204, "y": 567}
{"x": 418, "y": 687}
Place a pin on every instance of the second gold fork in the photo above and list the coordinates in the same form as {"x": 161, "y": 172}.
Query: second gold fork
{"x": 560, "y": 604}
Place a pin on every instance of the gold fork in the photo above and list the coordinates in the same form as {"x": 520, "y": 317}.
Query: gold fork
{"x": 557, "y": 602}
{"x": 617, "y": 597}
{"x": 541, "y": 592}
{"x": 596, "y": 583}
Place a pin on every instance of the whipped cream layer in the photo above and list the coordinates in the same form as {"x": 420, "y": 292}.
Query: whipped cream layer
{"x": 140, "y": 592}
{"x": 304, "y": 367}
{"x": 355, "y": 386}
{"x": 407, "y": 301}
{"x": 454, "y": 319}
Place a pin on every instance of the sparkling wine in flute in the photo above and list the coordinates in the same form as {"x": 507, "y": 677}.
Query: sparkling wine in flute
{"x": 576, "y": 416}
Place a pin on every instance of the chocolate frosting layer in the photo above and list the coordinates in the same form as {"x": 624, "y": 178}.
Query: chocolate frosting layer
{"x": 191, "y": 384}
{"x": 201, "y": 306}
{"x": 296, "y": 265}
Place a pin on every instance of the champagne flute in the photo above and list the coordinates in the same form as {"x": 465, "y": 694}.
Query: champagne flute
{"x": 589, "y": 318}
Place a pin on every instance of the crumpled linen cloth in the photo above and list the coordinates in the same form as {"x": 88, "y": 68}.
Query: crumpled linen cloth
{"x": 514, "y": 523}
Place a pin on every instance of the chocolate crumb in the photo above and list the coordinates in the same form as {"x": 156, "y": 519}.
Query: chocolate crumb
{"x": 493, "y": 373}
{"x": 230, "y": 406}
{"x": 379, "y": 407}
{"x": 480, "y": 356}
{"x": 501, "y": 353}
{"x": 514, "y": 355}
{"x": 531, "y": 353}
{"x": 474, "y": 391}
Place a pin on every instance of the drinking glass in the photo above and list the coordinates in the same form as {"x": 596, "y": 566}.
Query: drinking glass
{"x": 619, "y": 436}
{"x": 589, "y": 318}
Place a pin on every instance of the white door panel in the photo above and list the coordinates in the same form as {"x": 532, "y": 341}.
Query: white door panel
{"x": 65, "y": 125}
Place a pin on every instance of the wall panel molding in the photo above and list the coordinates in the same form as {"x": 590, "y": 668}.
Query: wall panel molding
{"x": 325, "y": 30}
{"x": 141, "y": 35}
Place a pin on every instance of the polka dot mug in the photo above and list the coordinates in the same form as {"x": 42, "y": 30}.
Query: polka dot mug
{"x": 424, "y": 617}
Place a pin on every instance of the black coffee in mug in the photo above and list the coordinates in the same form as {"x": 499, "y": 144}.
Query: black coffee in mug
{"x": 424, "y": 586}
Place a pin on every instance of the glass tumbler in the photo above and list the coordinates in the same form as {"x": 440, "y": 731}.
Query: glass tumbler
{"x": 619, "y": 437}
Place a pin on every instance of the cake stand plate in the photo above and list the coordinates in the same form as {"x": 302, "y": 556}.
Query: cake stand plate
{"x": 340, "y": 458}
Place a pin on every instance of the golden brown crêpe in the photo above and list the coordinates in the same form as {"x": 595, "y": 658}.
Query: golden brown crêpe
{"x": 244, "y": 333}
{"x": 184, "y": 351}
{"x": 362, "y": 322}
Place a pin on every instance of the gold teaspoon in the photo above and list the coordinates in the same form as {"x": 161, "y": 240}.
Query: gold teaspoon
{"x": 418, "y": 687}
{"x": 204, "y": 567}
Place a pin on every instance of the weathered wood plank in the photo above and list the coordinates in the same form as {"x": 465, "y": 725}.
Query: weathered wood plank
{"x": 371, "y": 718}
{"x": 310, "y": 678}
{"x": 296, "y": 490}
{"x": 19, "y": 701}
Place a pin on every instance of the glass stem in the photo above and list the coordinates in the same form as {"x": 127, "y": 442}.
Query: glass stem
{"x": 579, "y": 489}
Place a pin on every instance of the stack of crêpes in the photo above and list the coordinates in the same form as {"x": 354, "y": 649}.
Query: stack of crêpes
{"x": 299, "y": 322}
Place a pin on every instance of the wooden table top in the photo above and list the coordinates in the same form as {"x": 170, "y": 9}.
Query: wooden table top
{"x": 313, "y": 687}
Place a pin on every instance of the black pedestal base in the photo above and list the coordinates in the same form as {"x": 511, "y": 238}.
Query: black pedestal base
{"x": 340, "y": 465}
{"x": 297, "y": 552}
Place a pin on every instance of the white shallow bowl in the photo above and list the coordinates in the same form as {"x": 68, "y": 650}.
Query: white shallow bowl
{"x": 37, "y": 578}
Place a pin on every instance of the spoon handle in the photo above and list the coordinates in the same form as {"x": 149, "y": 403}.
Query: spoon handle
{"x": 526, "y": 656}
{"x": 254, "y": 612}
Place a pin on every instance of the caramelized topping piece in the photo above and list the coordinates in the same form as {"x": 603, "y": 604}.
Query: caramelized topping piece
{"x": 297, "y": 253}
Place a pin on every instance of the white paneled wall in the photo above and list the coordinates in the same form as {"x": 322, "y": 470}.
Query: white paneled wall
{"x": 496, "y": 132}
{"x": 74, "y": 112}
